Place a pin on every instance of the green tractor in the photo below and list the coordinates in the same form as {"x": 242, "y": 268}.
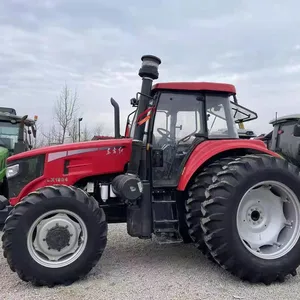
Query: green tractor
{"x": 16, "y": 136}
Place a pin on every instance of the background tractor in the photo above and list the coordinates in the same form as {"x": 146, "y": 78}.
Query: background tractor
{"x": 285, "y": 138}
{"x": 16, "y": 136}
{"x": 174, "y": 176}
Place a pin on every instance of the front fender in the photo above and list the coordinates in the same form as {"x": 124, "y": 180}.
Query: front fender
{"x": 208, "y": 149}
{"x": 28, "y": 188}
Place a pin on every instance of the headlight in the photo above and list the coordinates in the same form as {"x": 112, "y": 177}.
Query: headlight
{"x": 12, "y": 171}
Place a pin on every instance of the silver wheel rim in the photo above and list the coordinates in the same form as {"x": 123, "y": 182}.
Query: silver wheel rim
{"x": 57, "y": 238}
{"x": 268, "y": 220}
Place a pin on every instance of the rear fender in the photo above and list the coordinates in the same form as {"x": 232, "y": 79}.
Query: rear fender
{"x": 209, "y": 151}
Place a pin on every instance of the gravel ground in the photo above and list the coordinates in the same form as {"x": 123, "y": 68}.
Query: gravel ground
{"x": 136, "y": 269}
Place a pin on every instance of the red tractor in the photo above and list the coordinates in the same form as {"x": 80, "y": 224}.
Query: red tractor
{"x": 172, "y": 176}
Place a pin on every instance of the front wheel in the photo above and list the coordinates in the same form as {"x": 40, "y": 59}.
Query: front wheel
{"x": 251, "y": 218}
{"x": 56, "y": 235}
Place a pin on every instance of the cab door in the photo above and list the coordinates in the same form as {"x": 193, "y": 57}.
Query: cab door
{"x": 179, "y": 116}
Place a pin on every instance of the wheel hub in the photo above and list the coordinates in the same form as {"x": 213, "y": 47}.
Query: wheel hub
{"x": 58, "y": 237}
{"x": 255, "y": 215}
{"x": 266, "y": 217}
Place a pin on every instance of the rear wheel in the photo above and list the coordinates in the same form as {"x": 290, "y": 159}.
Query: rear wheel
{"x": 251, "y": 218}
{"x": 56, "y": 235}
{"x": 196, "y": 195}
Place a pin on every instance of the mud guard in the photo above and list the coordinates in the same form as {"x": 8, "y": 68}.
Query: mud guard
{"x": 207, "y": 150}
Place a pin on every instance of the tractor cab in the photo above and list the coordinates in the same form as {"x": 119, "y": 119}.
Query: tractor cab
{"x": 181, "y": 115}
{"x": 16, "y": 133}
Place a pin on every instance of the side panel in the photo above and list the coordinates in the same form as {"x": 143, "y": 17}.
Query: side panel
{"x": 68, "y": 167}
{"x": 208, "y": 149}
{"x": 73, "y": 165}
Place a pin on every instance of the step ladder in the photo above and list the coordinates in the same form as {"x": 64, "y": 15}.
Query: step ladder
{"x": 165, "y": 218}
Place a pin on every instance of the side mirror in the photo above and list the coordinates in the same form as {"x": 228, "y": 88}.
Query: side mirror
{"x": 297, "y": 130}
{"x": 33, "y": 131}
{"x": 134, "y": 102}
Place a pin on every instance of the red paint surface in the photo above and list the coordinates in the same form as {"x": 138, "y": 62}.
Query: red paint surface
{"x": 196, "y": 86}
{"x": 208, "y": 149}
{"x": 81, "y": 165}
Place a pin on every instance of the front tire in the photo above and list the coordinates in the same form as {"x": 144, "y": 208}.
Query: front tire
{"x": 251, "y": 218}
{"x": 56, "y": 235}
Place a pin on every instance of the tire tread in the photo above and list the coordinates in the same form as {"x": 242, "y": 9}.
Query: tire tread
{"x": 45, "y": 194}
{"x": 193, "y": 208}
{"x": 215, "y": 214}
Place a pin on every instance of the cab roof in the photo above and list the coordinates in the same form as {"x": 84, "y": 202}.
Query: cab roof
{"x": 196, "y": 86}
{"x": 7, "y": 117}
{"x": 285, "y": 119}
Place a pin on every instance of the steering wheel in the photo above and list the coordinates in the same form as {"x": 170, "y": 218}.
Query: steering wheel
{"x": 164, "y": 133}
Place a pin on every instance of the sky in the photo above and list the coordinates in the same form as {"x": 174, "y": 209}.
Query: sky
{"x": 95, "y": 47}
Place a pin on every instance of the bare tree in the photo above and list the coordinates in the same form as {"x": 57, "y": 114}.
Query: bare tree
{"x": 98, "y": 129}
{"x": 73, "y": 129}
{"x": 65, "y": 109}
{"x": 52, "y": 136}
{"x": 86, "y": 134}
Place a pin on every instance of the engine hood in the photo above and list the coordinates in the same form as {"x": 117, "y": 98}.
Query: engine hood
{"x": 109, "y": 143}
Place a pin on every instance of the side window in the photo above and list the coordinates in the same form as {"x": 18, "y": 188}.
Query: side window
{"x": 216, "y": 120}
{"x": 220, "y": 119}
{"x": 188, "y": 122}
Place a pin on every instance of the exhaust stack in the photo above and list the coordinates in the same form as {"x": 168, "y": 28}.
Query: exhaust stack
{"x": 117, "y": 117}
{"x": 148, "y": 72}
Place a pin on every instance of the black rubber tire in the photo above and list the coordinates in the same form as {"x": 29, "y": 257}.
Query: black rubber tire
{"x": 34, "y": 205}
{"x": 219, "y": 218}
{"x": 196, "y": 195}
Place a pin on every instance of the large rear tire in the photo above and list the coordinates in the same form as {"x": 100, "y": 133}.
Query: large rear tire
{"x": 196, "y": 195}
{"x": 56, "y": 235}
{"x": 251, "y": 218}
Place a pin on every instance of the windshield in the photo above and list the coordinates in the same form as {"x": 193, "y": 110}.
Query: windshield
{"x": 8, "y": 134}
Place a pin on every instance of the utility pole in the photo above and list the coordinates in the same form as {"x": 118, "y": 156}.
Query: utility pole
{"x": 79, "y": 120}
